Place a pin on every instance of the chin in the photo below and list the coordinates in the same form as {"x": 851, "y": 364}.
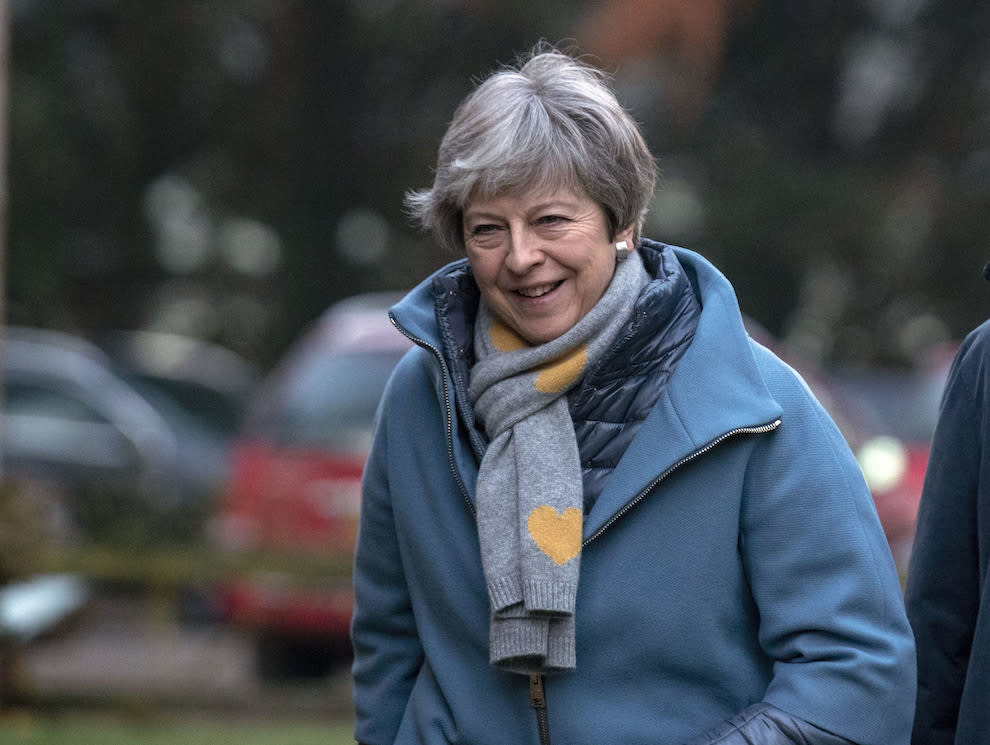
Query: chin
{"x": 543, "y": 336}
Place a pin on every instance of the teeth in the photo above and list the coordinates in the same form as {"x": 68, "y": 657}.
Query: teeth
{"x": 537, "y": 291}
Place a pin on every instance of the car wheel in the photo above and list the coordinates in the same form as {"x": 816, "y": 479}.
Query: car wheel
{"x": 281, "y": 657}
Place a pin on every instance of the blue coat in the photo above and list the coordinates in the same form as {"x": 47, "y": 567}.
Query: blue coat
{"x": 948, "y": 588}
{"x": 733, "y": 557}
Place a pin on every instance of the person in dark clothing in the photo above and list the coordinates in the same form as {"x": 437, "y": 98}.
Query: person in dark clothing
{"x": 947, "y": 593}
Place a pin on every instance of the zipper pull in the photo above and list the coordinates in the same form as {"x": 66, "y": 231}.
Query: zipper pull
{"x": 537, "y": 697}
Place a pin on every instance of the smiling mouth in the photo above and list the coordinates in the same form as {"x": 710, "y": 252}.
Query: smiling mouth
{"x": 539, "y": 290}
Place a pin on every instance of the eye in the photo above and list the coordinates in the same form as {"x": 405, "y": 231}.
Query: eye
{"x": 485, "y": 235}
{"x": 552, "y": 225}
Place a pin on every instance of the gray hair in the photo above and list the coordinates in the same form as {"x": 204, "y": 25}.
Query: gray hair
{"x": 550, "y": 122}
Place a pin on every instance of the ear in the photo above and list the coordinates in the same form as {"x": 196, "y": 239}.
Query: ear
{"x": 627, "y": 236}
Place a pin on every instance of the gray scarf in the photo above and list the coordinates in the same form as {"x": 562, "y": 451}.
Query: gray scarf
{"x": 529, "y": 494}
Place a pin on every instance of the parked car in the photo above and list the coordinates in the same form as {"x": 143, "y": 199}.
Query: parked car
{"x": 199, "y": 388}
{"x": 888, "y": 418}
{"x": 208, "y": 380}
{"x": 295, "y": 491}
{"x": 902, "y": 408}
{"x": 108, "y": 458}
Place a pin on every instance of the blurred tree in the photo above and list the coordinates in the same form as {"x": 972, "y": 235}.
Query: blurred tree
{"x": 229, "y": 168}
{"x": 151, "y": 141}
{"x": 835, "y": 155}
{"x": 4, "y": 91}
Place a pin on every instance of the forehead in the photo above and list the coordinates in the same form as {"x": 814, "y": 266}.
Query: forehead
{"x": 525, "y": 199}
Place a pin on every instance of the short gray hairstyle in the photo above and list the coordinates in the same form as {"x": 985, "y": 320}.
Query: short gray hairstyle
{"x": 551, "y": 121}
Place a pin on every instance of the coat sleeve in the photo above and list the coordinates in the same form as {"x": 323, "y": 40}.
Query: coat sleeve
{"x": 832, "y": 617}
{"x": 943, "y": 588}
{"x": 387, "y": 650}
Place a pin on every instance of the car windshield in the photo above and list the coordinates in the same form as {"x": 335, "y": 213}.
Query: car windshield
{"x": 326, "y": 401}
{"x": 191, "y": 403}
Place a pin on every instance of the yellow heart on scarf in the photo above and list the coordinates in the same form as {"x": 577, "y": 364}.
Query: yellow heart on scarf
{"x": 556, "y": 535}
{"x": 552, "y": 377}
{"x": 505, "y": 339}
{"x": 560, "y": 374}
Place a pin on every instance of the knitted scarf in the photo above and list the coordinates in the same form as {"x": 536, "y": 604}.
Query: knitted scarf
{"x": 529, "y": 495}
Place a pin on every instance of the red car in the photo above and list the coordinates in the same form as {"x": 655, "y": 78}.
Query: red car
{"x": 901, "y": 408}
{"x": 291, "y": 510}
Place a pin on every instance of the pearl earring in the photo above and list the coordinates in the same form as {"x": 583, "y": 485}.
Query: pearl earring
{"x": 622, "y": 251}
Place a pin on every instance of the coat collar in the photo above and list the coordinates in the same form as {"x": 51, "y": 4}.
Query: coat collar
{"x": 715, "y": 389}
{"x": 416, "y": 313}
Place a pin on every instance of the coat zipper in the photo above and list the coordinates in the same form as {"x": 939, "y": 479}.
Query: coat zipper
{"x": 537, "y": 690}
{"x": 759, "y": 429}
{"x": 445, "y": 375}
{"x": 538, "y": 701}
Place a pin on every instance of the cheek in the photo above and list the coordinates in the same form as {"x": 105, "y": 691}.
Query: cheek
{"x": 602, "y": 275}
{"x": 483, "y": 271}
{"x": 486, "y": 276}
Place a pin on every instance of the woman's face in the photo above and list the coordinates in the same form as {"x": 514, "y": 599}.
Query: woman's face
{"x": 542, "y": 259}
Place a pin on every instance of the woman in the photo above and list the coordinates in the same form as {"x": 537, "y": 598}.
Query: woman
{"x": 948, "y": 599}
{"x": 595, "y": 511}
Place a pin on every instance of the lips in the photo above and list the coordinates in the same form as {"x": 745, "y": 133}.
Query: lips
{"x": 539, "y": 290}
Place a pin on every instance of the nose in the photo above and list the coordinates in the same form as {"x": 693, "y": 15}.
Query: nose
{"x": 525, "y": 251}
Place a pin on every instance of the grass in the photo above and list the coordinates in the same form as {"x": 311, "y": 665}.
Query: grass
{"x": 29, "y": 729}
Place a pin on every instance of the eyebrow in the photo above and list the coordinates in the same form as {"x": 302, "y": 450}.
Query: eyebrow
{"x": 482, "y": 214}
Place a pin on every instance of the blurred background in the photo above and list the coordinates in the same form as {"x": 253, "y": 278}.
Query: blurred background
{"x": 196, "y": 192}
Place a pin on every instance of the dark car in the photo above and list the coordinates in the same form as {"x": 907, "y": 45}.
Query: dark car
{"x": 295, "y": 488}
{"x": 73, "y": 426}
{"x": 112, "y": 460}
{"x": 209, "y": 381}
{"x": 200, "y": 389}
